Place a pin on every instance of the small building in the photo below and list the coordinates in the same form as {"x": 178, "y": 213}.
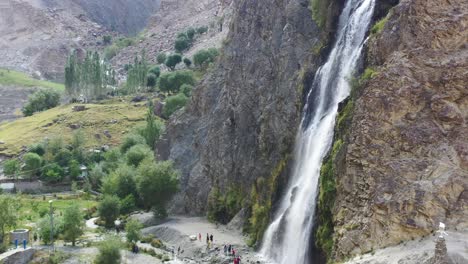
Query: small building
{"x": 84, "y": 171}
{"x": 8, "y": 187}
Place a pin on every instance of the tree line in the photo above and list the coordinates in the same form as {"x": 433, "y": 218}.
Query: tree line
{"x": 89, "y": 77}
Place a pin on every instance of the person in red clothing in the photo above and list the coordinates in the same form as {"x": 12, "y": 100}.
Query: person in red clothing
{"x": 199, "y": 236}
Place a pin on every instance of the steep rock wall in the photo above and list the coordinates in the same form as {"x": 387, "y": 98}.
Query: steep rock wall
{"x": 405, "y": 165}
{"x": 242, "y": 119}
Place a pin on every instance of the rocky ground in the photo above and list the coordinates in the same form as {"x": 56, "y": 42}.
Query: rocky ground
{"x": 11, "y": 100}
{"x": 175, "y": 16}
{"x": 176, "y": 232}
{"x": 418, "y": 251}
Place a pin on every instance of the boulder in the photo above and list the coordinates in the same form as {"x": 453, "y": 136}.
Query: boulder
{"x": 78, "y": 108}
{"x": 107, "y": 134}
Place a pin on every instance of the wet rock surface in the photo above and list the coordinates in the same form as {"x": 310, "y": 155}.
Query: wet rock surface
{"x": 405, "y": 168}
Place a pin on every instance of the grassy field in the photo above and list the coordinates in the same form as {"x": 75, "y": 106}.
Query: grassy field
{"x": 117, "y": 118}
{"x": 32, "y": 206}
{"x": 9, "y": 77}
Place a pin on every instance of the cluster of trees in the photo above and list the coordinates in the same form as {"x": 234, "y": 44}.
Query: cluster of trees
{"x": 8, "y": 216}
{"x": 89, "y": 77}
{"x": 129, "y": 177}
{"x": 137, "y": 74}
{"x": 41, "y": 100}
{"x": 70, "y": 226}
{"x": 185, "y": 39}
{"x": 51, "y": 160}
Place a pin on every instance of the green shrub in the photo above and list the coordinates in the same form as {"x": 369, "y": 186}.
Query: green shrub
{"x": 161, "y": 58}
{"x": 172, "y": 81}
{"x": 133, "y": 230}
{"x": 155, "y": 70}
{"x": 174, "y": 103}
{"x": 223, "y": 207}
{"x": 109, "y": 209}
{"x": 109, "y": 251}
{"x": 319, "y": 10}
{"x": 41, "y": 100}
{"x": 156, "y": 184}
{"x": 37, "y": 148}
{"x": 202, "y": 30}
{"x": 191, "y": 33}
{"x": 151, "y": 80}
{"x": 379, "y": 26}
{"x": 186, "y": 89}
{"x": 96, "y": 175}
{"x": 110, "y": 52}
{"x": 106, "y": 39}
{"x": 74, "y": 169}
{"x": 53, "y": 173}
{"x": 63, "y": 157}
{"x": 127, "y": 204}
{"x": 187, "y": 62}
{"x": 32, "y": 164}
{"x": 136, "y": 154}
{"x": 181, "y": 44}
{"x": 173, "y": 60}
{"x": 11, "y": 167}
{"x": 44, "y": 228}
{"x": 205, "y": 56}
{"x": 72, "y": 223}
{"x": 131, "y": 140}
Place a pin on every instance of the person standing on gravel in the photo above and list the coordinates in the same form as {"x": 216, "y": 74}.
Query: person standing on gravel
{"x": 207, "y": 238}
{"x": 225, "y": 249}
{"x": 199, "y": 236}
{"x": 211, "y": 238}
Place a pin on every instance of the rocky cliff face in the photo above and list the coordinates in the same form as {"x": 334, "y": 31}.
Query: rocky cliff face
{"x": 406, "y": 162}
{"x": 242, "y": 119}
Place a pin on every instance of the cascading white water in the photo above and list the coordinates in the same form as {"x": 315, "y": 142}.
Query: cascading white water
{"x": 287, "y": 239}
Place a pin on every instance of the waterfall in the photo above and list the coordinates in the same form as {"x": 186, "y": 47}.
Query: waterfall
{"x": 287, "y": 239}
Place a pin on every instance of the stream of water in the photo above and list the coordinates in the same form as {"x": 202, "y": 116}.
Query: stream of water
{"x": 287, "y": 239}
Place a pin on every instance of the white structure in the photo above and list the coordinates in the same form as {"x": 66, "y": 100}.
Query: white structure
{"x": 441, "y": 230}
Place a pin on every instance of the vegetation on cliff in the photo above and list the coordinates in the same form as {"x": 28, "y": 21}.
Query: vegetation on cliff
{"x": 327, "y": 184}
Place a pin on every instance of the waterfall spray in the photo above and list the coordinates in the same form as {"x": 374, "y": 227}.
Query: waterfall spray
{"x": 287, "y": 239}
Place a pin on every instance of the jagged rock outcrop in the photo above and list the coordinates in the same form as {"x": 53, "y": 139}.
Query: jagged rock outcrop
{"x": 242, "y": 119}
{"x": 405, "y": 166}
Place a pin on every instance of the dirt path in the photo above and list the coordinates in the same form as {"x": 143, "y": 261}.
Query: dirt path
{"x": 195, "y": 225}
{"x": 418, "y": 251}
{"x": 177, "y": 232}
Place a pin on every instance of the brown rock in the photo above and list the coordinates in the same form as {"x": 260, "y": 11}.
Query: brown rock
{"x": 406, "y": 162}
{"x": 78, "y": 108}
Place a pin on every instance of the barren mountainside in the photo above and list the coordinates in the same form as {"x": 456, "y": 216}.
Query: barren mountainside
{"x": 38, "y": 35}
